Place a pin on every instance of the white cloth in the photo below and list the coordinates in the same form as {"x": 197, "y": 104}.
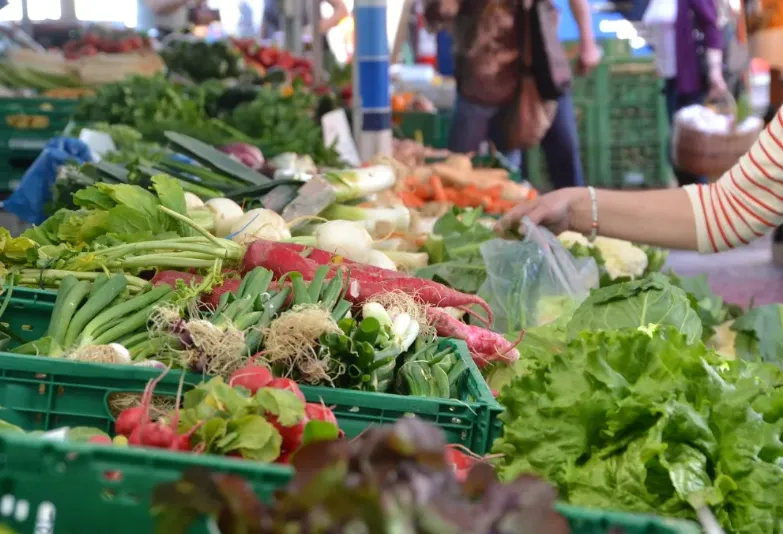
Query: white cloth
{"x": 747, "y": 201}
{"x": 149, "y": 20}
{"x": 660, "y": 17}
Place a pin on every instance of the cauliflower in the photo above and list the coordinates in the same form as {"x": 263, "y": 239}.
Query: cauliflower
{"x": 723, "y": 341}
{"x": 569, "y": 239}
{"x": 621, "y": 258}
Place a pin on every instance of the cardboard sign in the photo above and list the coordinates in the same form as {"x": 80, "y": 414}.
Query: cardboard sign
{"x": 336, "y": 129}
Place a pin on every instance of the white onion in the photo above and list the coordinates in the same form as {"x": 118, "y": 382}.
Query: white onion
{"x": 226, "y": 213}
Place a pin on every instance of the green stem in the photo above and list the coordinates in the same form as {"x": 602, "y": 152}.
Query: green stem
{"x": 164, "y": 261}
{"x": 56, "y": 274}
{"x": 200, "y": 229}
{"x": 459, "y": 251}
{"x": 211, "y": 251}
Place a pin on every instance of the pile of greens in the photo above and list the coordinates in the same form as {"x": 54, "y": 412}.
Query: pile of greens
{"x": 277, "y": 119}
{"x": 643, "y": 421}
{"x": 201, "y": 61}
{"x": 390, "y": 479}
{"x": 454, "y": 250}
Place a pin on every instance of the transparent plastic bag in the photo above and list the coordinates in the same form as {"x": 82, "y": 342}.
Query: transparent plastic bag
{"x": 534, "y": 281}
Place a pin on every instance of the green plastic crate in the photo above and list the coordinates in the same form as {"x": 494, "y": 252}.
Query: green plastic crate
{"x": 27, "y": 124}
{"x": 28, "y": 313}
{"x": 63, "y": 488}
{"x": 30, "y": 403}
{"x": 48, "y": 487}
{"x": 432, "y": 129}
{"x": 593, "y": 521}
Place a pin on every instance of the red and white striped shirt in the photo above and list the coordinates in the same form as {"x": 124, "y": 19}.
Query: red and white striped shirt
{"x": 747, "y": 201}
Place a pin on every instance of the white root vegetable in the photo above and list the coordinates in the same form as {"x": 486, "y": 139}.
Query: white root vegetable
{"x": 260, "y": 223}
{"x": 376, "y": 258}
{"x": 192, "y": 201}
{"x": 226, "y": 213}
{"x": 377, "y": 311}
{"x": 122, "y": 352}
{"x": 345, "y": 238}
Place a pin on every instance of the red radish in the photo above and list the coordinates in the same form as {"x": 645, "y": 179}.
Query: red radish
{"x": 128, "y": 421}
{"x": 284, "y": 458}
{"x": 158, "y": 435}
{"x": 132, "y": 418}
{"x": 212, "y": 299}
{"x": 100, "y": 440}
{"x": 282, "y": 258}
{"x": 484, "y": 345}
{"x": 319, "y": 412}
{"x": 252, "y": 377}
{"x": 458, "y": 459}
{"x": 292, "y": 435}
{"x": 288, "y": 385}
{"x": 171, "y": 278}
{"x": 183, "y": 442}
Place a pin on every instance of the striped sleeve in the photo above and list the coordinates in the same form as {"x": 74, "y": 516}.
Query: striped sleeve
{"x": 747, "y": 201}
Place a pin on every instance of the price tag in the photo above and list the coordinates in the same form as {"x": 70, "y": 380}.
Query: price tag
{"x": 337, "y": 130}
{"x": 28, "y": 122}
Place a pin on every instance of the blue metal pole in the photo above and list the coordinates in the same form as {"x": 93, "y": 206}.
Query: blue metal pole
{"x": 372, "y": 109}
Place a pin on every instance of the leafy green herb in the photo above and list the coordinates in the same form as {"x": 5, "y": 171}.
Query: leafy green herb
{"x": 454, "y": 251}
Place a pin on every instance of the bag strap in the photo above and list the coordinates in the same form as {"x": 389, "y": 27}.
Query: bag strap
{"x": 525, "y": 12}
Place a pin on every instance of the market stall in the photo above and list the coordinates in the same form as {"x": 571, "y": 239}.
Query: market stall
{"x": 226, "y": 316}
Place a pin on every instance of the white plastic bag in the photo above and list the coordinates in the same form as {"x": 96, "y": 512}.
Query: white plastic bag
{"x": 534, "y": 281}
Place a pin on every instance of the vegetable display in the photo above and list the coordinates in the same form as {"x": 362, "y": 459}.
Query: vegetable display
{"x": 392, "y": 478}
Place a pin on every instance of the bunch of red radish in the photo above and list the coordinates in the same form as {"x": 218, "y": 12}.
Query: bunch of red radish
{"x": 367, "y": 282}
{"x": 254, "y": 377}
{"x": 461, "y": 460}
{"x": 135, "y": 423}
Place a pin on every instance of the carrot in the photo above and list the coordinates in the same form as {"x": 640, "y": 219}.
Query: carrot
{"x": 411, "y": 200}
{"x": 494, "y": 191}
{"x": 423, "y": 191}
{"x": 437, "y": 189}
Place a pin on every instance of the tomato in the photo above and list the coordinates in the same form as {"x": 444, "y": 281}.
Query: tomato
{"x": 285, "y": 61}
{"x": 267, "y": 57}
{"x": 88, "y": 50}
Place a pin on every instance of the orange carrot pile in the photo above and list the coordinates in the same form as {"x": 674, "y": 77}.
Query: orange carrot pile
{"x": 416, "y": 193}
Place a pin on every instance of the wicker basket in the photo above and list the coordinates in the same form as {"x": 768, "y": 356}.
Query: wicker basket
{"x": 710, "y": 154}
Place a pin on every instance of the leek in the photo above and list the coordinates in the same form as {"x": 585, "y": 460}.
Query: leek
{"x": 397, "y": 219}
{"x": 359, "y": 183}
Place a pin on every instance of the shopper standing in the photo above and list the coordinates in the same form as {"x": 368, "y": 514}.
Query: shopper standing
{"x": 487, "y": 48}
{"x": 273, "y": 23}
{"x": 171, "y": 16}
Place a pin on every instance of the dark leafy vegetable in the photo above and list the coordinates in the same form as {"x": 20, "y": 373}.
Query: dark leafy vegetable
{"x": 391, "y": 479}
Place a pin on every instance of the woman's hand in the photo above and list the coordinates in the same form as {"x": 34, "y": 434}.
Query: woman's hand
{"x": 552, "y": 210}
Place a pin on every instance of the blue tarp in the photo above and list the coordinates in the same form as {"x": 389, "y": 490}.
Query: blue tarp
{"x": 29, "y": 199}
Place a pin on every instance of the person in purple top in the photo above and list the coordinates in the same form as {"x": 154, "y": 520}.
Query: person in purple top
{"x": 698, "y": 62}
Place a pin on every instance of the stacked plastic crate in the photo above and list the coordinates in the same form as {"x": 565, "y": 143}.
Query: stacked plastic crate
{"x": 622, "y": 125}
{"x": 26, "y": 125}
